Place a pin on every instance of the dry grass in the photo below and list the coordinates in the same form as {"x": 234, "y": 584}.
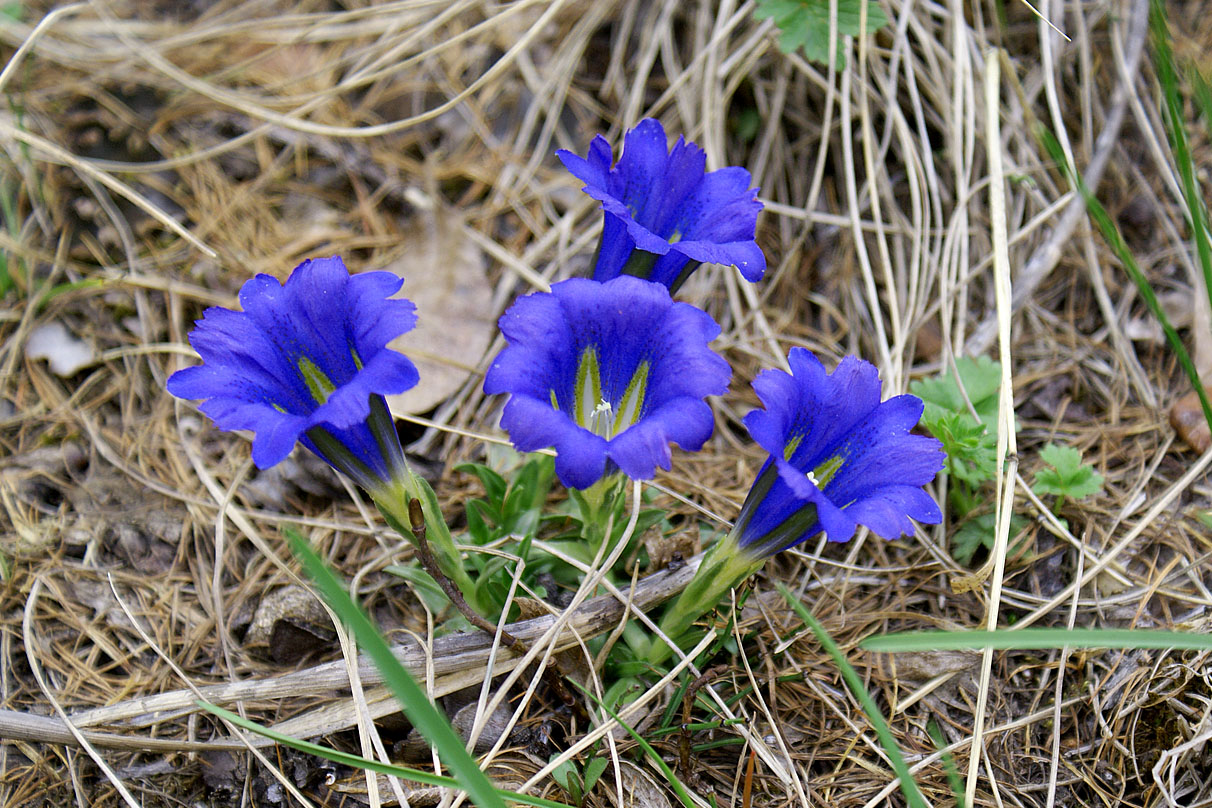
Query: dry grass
{"x": 164, "y": 153}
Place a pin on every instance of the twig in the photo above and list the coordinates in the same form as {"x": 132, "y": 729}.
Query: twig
{"x": 459, "y": 660}
{"x": 416, "y": 518}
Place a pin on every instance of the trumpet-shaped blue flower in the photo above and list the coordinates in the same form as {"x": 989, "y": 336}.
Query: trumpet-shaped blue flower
{"x": 307, "y": 361}
{"x": 608, "y": 374}
{"x": 664, "y": 214}
{"x": 839, "y": 457}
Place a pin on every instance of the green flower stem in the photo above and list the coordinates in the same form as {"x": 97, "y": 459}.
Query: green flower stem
{"x": 722, "y": 568}
{"x": 597, "y": 503}
{"x": 393, "y": 500}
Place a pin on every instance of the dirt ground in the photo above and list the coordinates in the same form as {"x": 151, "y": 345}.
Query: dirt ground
{"x": 158, "y": 154}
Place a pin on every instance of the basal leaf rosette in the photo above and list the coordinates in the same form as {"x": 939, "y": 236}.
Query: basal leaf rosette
{"x": 609, "y": 374}
{"x": 307, "y": 361}
{"x": 664, "y": 213}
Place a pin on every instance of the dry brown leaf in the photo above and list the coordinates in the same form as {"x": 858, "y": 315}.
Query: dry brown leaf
{"x": 444, "y": 275}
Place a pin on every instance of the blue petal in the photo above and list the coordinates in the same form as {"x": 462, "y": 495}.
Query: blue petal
{"x": 275, "y": 439}
{"x": 890, "y": 512}
{"x": 836, "y": 522}
{"x": 594, "y": 171}
{"x": 616, "y": 247}
{"x": 532, "y": 424}
{"x": 639, "y": 450}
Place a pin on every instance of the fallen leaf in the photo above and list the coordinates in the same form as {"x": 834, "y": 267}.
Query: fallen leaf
{"x": 63, "y": 351}
{"x": 444, "y": 275}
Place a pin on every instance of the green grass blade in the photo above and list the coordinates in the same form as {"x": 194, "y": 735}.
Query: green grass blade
{"x": 1116, "y": 241}
{"x": 1175, "y": 124}
{"x": 359, "y": 762}
{"x": 674, "y": 783}
{"x": 1037, "y": 639}
{"x": 913, "y": 794}
{"x": 8, "y": 209}
{"x": 416, "y": 705}
{"x": 953, "y": 777}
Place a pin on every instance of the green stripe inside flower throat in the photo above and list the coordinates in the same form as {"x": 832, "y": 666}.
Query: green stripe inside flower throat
{"x": 593, "y": 411}
{"x": 318, "y": 384}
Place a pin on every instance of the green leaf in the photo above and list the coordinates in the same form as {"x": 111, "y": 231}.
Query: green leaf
{"x": 423, "y": 585}
{"x": 949, "y": 767}
{"x": 567, "y": 777}
{"x": 593, "y": 770}
{"x": 804, "y": 24}
{"x": 1115, "y": 241}
{"x": 653, "y": 756}
{"x": 494, "y": 484}
{"x": 1067, "y": 476}
{"x": 971, "y": 536}
{"x": 980, "y": 531}
{"x": 970, "y": 443}
{"x": 971, "y": 449}
{"x": 424, "y": 716}
{"x": 981, "y": 378}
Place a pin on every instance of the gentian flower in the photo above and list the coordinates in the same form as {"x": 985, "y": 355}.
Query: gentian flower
{"x": 307, "y": 361}
{"x": 607, "y": 373}
{"x": 664, "y": 214}
{"x": 839, "y": 457}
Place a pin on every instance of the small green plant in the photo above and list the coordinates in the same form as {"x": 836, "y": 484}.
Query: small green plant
{"x": 804, "y": 24}
{"x": 1066, "y": 475}
{"x": 980, "y": 531}
{"x": 962, "y": 413}
{"x": 578, "y": 781}
{"x": 909, "y": 788}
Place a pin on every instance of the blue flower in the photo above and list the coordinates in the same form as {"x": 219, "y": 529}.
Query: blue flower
{"x": 839, "y": 457}
{"x": 307, "y": 361}
{"x": 664, "y": 214}
{"x": 608, "y": 374}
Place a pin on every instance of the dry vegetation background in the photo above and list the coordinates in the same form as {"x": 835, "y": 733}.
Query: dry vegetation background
{"x": 158, "y": 154}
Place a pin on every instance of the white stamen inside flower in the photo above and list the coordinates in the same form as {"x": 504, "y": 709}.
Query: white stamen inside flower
{"x": 601, "y": 420}
{"x": 812, "y": 479}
